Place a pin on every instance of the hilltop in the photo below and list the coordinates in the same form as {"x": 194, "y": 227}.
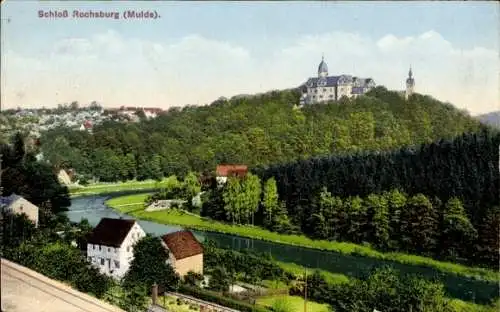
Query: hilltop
{"x": 492, "y": 119}
{"x": 254, "y": 130}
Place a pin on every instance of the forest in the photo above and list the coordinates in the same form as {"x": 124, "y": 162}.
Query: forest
{"x": 255, "y": 130}
{"x": 342, "y": 171}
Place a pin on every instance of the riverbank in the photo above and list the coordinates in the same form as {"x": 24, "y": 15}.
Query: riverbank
{"x": 134, "y": 206}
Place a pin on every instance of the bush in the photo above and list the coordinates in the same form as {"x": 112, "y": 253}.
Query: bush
{"x": 220, "y": 299}
{"x": 282, "y": 305}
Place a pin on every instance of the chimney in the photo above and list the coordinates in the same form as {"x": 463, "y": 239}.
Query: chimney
{"x": 154, "y": 293}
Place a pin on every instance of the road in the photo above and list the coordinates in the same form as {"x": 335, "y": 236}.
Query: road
{"x": 24, "y": 290}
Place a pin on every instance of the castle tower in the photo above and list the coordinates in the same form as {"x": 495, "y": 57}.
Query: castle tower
{"x": 322, "y": 68}
{"x": 410, "y": 84}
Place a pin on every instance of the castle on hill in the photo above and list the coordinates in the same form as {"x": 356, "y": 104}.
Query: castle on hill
{"x": 326, "y": 88}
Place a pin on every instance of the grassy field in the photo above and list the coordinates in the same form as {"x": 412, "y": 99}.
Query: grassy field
{"x": 286, "y": 303}
{"x": 189, "y": 220}
{"x": 101, "y": 188}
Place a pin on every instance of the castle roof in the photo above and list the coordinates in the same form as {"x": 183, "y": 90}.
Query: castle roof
{"x": 332, "y": 81}
{"x": 322, "y": 68}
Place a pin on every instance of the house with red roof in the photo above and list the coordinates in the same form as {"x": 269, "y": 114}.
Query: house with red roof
{"x": 223, "y": 172}
{"x": 185, "y": 252}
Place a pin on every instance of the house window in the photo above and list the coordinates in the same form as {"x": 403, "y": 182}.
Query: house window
{"x": 102, "y": 261}
{"x": 93, "y": 247}
{"x": 128, "y": 248}
{"x": 117, "y": 264}
{"x": 109, "y": 249}
{"x": 100, "y": 247}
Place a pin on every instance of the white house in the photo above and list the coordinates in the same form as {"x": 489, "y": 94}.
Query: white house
{"x": 19, "y": 205}
{"x": 110, "y": 245}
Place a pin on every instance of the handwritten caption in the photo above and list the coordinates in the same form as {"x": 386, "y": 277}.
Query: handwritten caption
{"x": 79, "y": 14}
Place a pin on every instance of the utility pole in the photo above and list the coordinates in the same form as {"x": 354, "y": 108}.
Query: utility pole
{"x": 305, "y": 291}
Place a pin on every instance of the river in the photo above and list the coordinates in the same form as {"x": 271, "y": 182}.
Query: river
{"x": 93, "y": 209}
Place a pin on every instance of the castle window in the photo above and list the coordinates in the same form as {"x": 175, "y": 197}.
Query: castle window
{"x": 324, "y": 89}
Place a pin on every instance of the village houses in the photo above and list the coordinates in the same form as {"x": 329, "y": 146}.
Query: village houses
{"x": 110, "y": 247}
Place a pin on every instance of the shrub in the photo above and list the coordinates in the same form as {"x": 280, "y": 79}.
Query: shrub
{"x": 221, "y": 299}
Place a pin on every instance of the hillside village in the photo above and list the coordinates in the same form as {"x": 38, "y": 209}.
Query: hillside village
{"x": 36, "y": 121}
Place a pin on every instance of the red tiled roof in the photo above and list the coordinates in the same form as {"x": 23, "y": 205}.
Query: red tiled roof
{"x": 227, "y": 170}
{"x": 182, "y": 244}
{"x": 111, "y": 232}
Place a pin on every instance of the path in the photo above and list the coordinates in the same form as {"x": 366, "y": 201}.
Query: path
{"x": 24, "y": 290}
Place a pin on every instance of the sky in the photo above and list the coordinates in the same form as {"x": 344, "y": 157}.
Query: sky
{"x": 196, "y": 52}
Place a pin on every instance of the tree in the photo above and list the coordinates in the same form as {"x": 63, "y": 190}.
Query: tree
{"x": 193, "y": 278}
{"x": 219, "y": 279}
{"x": 487, "y": 244}
{"x": 379, "y": 209}
{"x": 419, "y": 224}
{"x": 232, "y": 199}
{"x": 191, "y": 185}
{"x": 149, "y": 266}
{"x": 458, "y": 234}
{"x": 270, "y": 202}
{"x": 357, "y": 216}
{"x": 252, "y": 193}
{"x": 396, "y": 201}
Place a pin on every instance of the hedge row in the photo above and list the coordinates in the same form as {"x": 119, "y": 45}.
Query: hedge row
{"x": 220, "y": 299}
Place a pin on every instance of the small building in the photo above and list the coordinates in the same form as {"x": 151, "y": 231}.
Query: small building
{"x": 223, "y": 172}
{"x": 110, "y": 246}
{"x": 63, "y": 177}
{"x": 19, "y": 205}
{"x": 185, "y": 252}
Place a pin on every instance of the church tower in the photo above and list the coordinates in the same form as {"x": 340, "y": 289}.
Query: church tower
{"x": 322, "y": 69}
{"x": 410, "y": 84}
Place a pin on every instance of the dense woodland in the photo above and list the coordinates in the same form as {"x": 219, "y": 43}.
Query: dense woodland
{"x": 35, "y": 181}
{"x": 440, "y": 200}
{"x": 254, "y": 130}
{"x": 441, "y": 162}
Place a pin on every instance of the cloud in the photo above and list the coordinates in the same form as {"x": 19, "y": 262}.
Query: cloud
{"x": 118, "y": 70}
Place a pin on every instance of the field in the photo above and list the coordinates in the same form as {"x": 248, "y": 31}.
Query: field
{"x": 101, "y": 188}
{"x": 286, "y": 303}
{"x": 133, "y": 205}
